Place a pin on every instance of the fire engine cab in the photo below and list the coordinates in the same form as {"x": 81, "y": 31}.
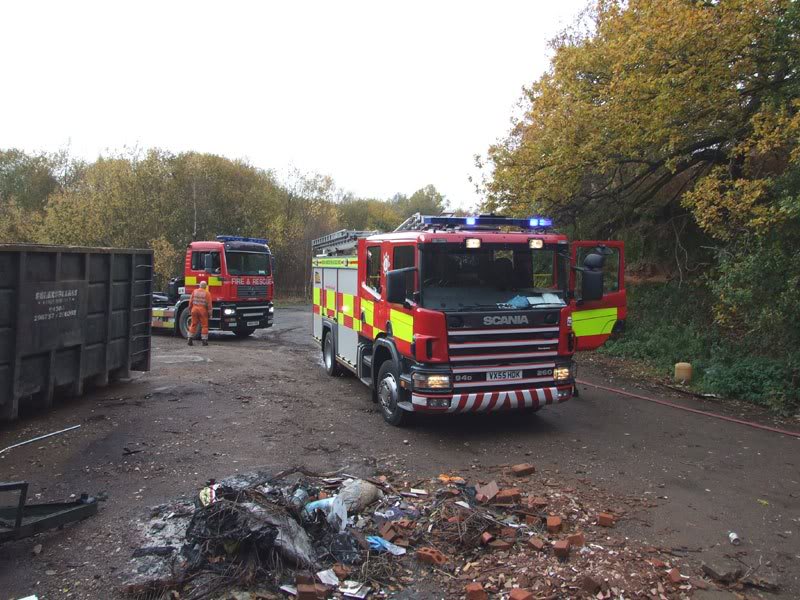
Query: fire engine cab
{"x": 464, "y": 314}
{"x": 238, "y": 271}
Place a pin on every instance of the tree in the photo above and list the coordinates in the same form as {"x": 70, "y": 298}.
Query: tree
{"x": 662, "y": 106}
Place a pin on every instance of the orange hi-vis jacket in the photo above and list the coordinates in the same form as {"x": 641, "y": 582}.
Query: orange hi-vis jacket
{"x": 201, "y": 298}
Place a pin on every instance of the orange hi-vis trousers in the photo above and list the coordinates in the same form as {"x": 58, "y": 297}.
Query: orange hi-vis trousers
{"x": 199, "y": 321}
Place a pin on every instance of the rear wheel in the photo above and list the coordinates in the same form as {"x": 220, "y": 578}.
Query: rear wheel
{"x": 332, "y": 368}
{"x": 390, "y": 394}
{"x": 185, "y": 323}
{"x": 244, "y": 332}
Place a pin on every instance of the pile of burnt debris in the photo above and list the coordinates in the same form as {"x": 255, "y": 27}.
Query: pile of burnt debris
{"x": 300, "y": 534}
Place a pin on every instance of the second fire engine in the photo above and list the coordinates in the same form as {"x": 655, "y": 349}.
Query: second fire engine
{"x": 464, "y": 314}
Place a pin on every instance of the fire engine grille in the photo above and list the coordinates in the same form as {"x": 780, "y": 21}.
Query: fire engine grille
{"x": 512, "y": 346}
{"x": 251, "y": 291}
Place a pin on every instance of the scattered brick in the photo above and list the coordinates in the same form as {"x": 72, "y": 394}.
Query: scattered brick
{"x": 532, "y": 520}
{"x": 536, "y": 543}
{"x": 577, "y": 540}
{"x": 322, "y": 591}
{"x": 605, "y": 520}
{"x": 553, "y": 524}
{"x": 401, "y": 541}
{"x": 501, "y": 545}
{"x": 341, "y": 571}
{"x": 538, "y": 503}
{"x": 404, "y": 523}
{"x": 509, "y": 496}
{"x": 658, "y": 564}
{"x": 306, "y": 591}
{"x": 520, "y": 594}
{"x": 486, "y": 537}
{"x": 561, "y": 548}
{"x": 431, "y": 556}
{"x": 523, "y": 469}
{"x": 508, "y": 532}
{"x": 475, "y": 591}
{"x": 303, "y": 577}
{"x": 675, "y": 576}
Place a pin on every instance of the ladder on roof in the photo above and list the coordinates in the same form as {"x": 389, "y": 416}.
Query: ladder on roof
{"x": 339, "y": 242}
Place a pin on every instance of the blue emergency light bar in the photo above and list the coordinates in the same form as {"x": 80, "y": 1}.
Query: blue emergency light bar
{"x": 489, "y": 221}
{"x": 238, "y": 238}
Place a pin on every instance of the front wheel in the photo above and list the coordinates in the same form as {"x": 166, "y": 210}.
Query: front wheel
{"x": 244, "y": 332}
{"x": 185, "y": 323}
{"x": 390, "y": 395}
{"x": 332, "y": 368}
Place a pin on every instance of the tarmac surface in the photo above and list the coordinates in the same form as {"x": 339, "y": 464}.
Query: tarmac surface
{"x": 265, "y": 402}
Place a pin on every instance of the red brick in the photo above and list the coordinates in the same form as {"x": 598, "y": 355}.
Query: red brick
{"x": 401, "y": 541}
{"x": 431, "y": 556}
{"x": 532, "y": 520}
{"x": 561, "y": 548}
{"x": 538, "y": 503}
{"x": 306, "y": 591}
{"x": 508, "y": 532}
{"x": 509, "y": 496}
{"x": 553, "y": 524}
{"x": 475, "y": 591}
{"x": 486, "y": 537}
{"x": 520, "y": 594}
{"x": 658, "y": 564}
{"x": 341, "y": 571}
{"x": 675, "y": 576}
{"x": 501, "y": 545}
{"x": 536, "y": 543}
{"x": 303, "y": 577}
{"x": 322, "y": 591}
{"x": 404, "y": 524}
{"x": 605, "y": 520}
{"x": 523, "y": 469}
{"x": 577, "y": 540}
{"x": 456, "y": 519}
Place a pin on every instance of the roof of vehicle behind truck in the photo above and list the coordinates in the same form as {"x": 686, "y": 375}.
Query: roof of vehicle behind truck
{"x": 488, "y": 236}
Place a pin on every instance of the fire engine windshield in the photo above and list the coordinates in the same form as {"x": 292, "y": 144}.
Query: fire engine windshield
{"x": 248, "y": 263}
{"x": 495, "y": 275}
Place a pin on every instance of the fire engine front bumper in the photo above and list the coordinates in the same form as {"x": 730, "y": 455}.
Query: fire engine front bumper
{"x": 479, "y": 402}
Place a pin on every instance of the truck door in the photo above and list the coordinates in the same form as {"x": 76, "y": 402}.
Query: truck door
{"x": 593, "y": 321}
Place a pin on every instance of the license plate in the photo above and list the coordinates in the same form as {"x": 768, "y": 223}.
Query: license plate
{"x": 252, "y": 323}
{"x": 503, "y": 375}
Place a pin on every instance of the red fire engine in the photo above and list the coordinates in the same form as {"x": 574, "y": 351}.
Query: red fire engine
{"x": 239, "y": 275}
{"x": 464, "y": 314}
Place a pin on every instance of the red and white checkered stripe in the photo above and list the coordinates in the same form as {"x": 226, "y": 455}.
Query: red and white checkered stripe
{"x": 493, "y": 401}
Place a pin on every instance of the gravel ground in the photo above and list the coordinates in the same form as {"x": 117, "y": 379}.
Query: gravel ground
{"x": 265, "y": 403}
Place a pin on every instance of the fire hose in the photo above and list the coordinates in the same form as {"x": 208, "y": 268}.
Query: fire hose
{"x": 696, "y": 411}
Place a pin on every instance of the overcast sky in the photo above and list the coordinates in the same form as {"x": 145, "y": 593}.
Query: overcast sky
{"x": 385, "y": 97}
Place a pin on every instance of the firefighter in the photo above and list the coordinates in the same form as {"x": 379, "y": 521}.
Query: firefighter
{"x": 200, "y": 307}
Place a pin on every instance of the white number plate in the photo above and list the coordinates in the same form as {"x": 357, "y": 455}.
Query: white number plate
{"x": 252, "y": 323}
{"x": 503, "y": 375}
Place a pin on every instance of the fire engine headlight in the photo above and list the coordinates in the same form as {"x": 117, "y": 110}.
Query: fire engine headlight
{"x": 272, "y": 309}
{"x": 228, "y": 312}
{"x": 431, "y": 381}
{"x": 562, "y": 373}
{"x": 536, "y": 244}
{"x": 473, "y": 242}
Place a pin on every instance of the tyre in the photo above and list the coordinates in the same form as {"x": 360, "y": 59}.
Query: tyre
{"x": 390, "y": 394}
{"x": 332, "y": 367}
{"x": 244, "y": 332}
{"x": 185, "y": 323}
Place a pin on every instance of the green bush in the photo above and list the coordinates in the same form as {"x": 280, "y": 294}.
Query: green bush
{"x": 668, "y": 324}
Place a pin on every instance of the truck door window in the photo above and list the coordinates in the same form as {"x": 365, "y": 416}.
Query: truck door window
{"x": 198, "y": 261}
{"x": 610, "y": 268}
{"x": 402, "y": 259}
{"x": 374, "y": 268}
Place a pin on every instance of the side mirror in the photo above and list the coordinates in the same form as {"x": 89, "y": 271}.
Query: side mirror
{"x": 208, "y": 265}
{"x": 396, "y": 290}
